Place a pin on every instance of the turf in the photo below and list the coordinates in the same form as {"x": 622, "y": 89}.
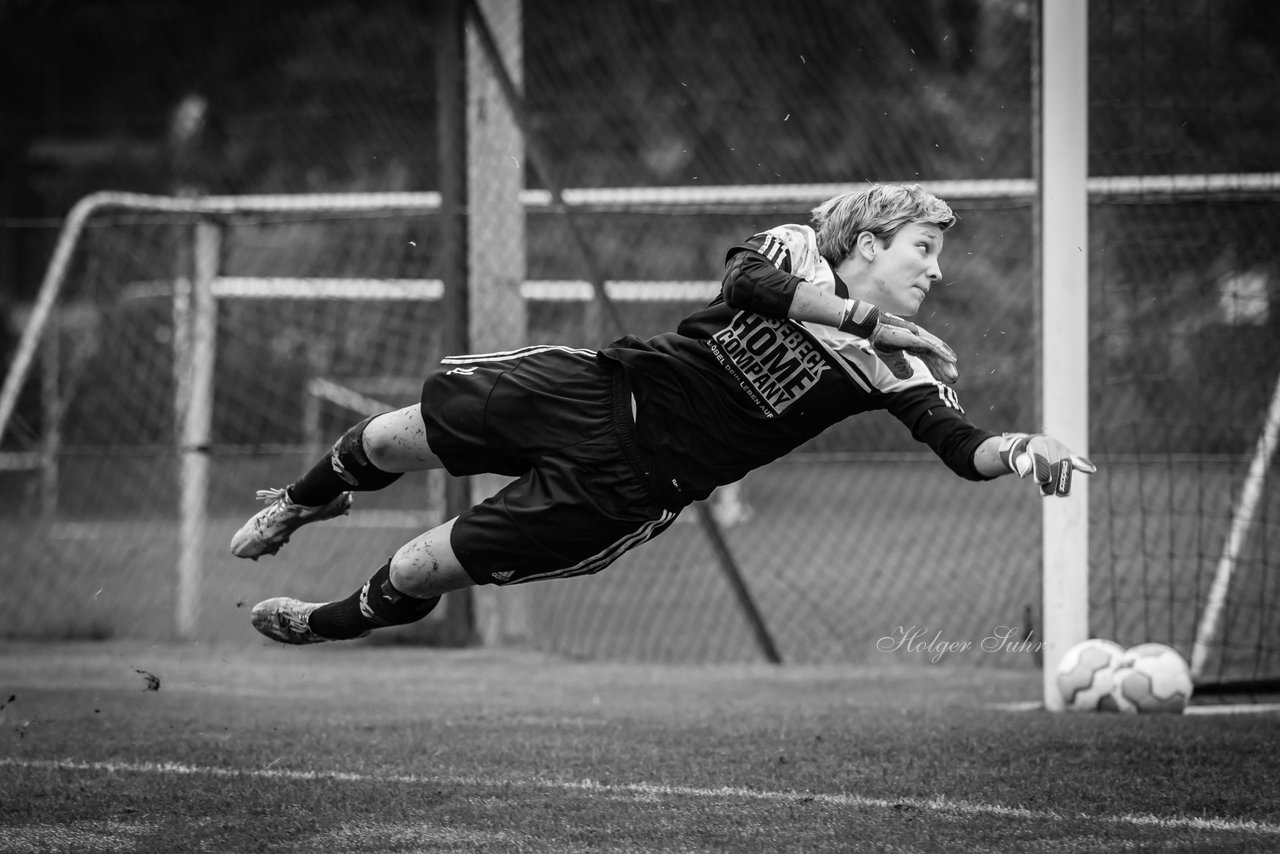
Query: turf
{"x": 397, "y": 749}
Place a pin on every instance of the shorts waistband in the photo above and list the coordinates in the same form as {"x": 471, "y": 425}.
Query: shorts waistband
{"x": 624, "y": 427}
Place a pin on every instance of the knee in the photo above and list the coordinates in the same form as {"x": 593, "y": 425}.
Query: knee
{"x": 427, "y": 567}
{"x": 405, "y": 576}
{"x": 377, "y": 441}
{"x": 350, "y": 459}
{"x": 397, "y": 441}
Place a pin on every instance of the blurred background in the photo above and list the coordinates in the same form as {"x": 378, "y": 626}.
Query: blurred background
{"x": 733, "y": 117}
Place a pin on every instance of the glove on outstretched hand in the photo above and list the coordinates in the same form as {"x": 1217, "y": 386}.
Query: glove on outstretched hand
{"x": 1048, "y": 460}
{"x": 891, "y": 336}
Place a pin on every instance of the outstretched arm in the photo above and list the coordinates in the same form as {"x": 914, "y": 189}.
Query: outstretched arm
{"x": 934, "y": 416}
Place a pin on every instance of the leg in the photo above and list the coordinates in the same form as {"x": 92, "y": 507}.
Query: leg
{"x": 397, "y": 441}
{"x": 426, "y": 565}
{"x": 580, "y": 499}
{"x": 402, "y": 591}
{"x": 370, "y": 456}
{"x": 540, "y": 526}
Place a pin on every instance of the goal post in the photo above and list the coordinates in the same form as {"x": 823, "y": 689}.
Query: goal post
{"x": 1064, "y": 321}
{"x": 195, "y": 336}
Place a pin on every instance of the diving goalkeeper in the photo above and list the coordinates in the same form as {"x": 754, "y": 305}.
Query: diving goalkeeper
{"x": 607, "y": 446}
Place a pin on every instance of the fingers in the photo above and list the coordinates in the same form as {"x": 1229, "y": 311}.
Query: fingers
{"x": 896, "y": 362}
{"x": 943, "y": 371}
{"x": 894, "y": 337}
{"x": 937, "y": 355}
{"x": 1057, "y": 481}
{"x": 1083, "y": 464}
{"x": 1052, "y": 464}
{"x": 937, "y": 345}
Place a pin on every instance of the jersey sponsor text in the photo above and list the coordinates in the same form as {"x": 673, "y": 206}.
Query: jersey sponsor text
{"x": 773, "y": 360}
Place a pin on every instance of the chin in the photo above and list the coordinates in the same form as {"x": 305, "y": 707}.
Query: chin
{"x": 915, "y": 307}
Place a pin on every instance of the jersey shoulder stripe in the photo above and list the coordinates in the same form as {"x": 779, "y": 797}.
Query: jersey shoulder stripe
{"x": 776, "y": 251}
{"x": 791, "y": 248}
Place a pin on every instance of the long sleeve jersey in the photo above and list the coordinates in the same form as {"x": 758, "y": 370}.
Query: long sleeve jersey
{"x": 738, "y": 384}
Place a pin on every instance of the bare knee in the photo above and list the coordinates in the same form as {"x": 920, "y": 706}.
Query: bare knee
{"x": 426, "y": 565}
{"x": 397, "y": 441}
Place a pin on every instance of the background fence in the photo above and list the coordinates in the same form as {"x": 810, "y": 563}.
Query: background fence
{"x": 845, "y": 543}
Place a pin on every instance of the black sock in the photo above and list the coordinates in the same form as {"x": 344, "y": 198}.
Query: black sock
{"x": 375, "y": 605}
{"x": 320, "y": 485}
{"x": 346, "y": 469}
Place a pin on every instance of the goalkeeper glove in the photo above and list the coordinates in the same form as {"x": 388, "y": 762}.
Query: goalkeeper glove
{"x": 891, "y": 336}
{"x": 1048, "y": 460}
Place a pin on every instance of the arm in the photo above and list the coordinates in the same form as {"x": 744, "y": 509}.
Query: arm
{"x": 934, "y": 417}
{"x": 752, "y": 283}
{"x": 814, "y": 305}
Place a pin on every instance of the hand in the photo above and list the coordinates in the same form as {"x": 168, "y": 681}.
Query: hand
{"x": 891, "y": 336}
{"x": 1048, "y": 460}
{"x": 894, "y": 336}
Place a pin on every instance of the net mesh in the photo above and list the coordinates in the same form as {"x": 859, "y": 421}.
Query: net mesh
{"x": 855, "y": 539}
{"x": 1184, "y": 343}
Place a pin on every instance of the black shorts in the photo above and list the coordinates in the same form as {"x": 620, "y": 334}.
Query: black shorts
{"x": 559, "y": 420}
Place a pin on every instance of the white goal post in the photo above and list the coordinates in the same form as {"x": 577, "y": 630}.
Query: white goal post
{"x": 1064, "y": 322}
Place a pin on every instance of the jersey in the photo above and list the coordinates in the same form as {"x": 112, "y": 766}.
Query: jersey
{"x": 738, "y": 384}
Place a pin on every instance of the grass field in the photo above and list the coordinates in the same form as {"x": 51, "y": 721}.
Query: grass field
{"x": 397, "y": 749}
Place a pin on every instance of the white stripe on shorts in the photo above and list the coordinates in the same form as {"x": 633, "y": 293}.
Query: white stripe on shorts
{"x": 641, "y": 535}
{"x": 504, "y": 355}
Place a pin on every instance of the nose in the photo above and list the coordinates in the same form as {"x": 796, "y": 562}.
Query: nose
{"x": 934, "y": 272}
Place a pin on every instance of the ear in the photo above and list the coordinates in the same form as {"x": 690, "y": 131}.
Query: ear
{"x": 866, "y": 245}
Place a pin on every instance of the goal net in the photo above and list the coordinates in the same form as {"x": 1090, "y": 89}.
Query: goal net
{"x": 1186, "y": 408}
{"x": 186, "y": 352}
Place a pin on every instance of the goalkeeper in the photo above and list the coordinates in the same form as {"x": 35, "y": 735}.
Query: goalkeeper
{"x": 607, "y": 446}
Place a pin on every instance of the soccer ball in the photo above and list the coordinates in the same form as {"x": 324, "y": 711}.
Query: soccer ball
{"x": 1151, "y": 678}
{"x": 1085, "y": 675}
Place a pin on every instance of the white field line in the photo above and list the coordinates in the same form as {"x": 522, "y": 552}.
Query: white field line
{"x": 647, "y": 791}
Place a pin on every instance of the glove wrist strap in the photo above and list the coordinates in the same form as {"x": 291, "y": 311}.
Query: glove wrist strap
{"x": 859, "y": 318}
{"x": 1011, "y": 445}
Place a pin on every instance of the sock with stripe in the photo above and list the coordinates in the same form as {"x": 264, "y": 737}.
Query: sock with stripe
{"x": 375, "y": 605}
{"x": 345, "y": 469}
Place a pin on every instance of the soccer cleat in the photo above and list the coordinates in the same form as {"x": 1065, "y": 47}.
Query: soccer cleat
{"x": 287, "y": 620}
{"x": 271, "y": 527}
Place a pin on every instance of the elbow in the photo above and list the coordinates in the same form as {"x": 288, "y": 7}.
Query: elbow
{"x": 751, "y": 283}
{"x": 734, "y": 287}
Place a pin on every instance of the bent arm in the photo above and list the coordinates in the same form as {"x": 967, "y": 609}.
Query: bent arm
{"x": 752, "y": 283}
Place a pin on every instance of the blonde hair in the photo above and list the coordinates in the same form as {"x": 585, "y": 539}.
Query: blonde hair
{"x": 881, "y": 209}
